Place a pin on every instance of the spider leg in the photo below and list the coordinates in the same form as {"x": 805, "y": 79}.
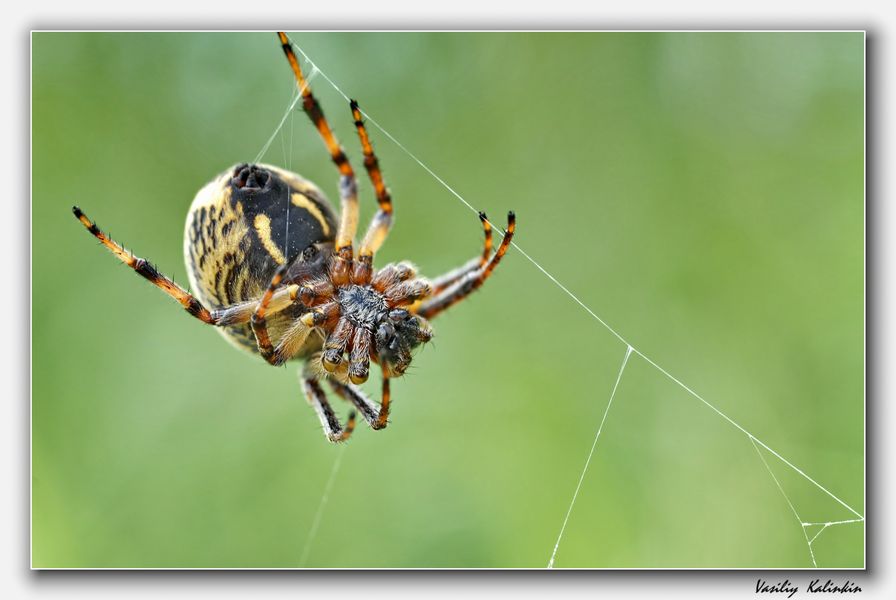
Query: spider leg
{"x": 150, "y": 272}
{"x": 443, "y": 281}
{"x": 258, "y": 321}
{"x": 291, "y": 341}
{"x": 318, "y": 400}
{"x": 274, "y": 300}
{"x": 348, "y": 190}
{"x": 382, "y": 221}
{"x": 392, "y": 274}
{"x": 235, "y": 314}
{"x": 242, "y": 312}
{"x": 407, "y": 292}
{"x": 469, "y": 282}
{"x": 377, "y": 418}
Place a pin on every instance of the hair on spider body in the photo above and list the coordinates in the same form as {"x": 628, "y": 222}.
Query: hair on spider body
{"x": 275, "y": 270}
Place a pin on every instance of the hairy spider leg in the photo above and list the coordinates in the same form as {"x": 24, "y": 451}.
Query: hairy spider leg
{"x": 443, "y": 281}
{"x": 318, "y": 400}
{"x": 275, "y": 300}
{"x": 222, "y": 317}
{"x": 381, "y": 222}
{"x": 150, "y": 272}
{"x": 348, "y": 189}
{"x": 470, "y": 282}
{"x": 259, "y": 323}
{"x": 294, "y": 337}
{"x": 377, "y": 418}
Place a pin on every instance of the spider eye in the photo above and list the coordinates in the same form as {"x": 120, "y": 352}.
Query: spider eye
{"x": 384, "y": 333}
{"x": 398, "y": 315}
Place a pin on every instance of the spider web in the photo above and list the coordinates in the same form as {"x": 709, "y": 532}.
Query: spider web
{"x": 810, "y": 529}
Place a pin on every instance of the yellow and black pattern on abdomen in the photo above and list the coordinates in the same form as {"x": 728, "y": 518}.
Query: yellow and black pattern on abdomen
{"x": 241, "y": 227}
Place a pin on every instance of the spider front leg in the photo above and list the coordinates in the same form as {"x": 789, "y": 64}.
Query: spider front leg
{"x": 348, "y": 189}
{"x": 381, "y": 223}
{"x": 468, "y": 282}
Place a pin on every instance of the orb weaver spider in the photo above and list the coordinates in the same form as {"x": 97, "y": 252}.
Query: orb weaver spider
{"x": 308, "y": 296}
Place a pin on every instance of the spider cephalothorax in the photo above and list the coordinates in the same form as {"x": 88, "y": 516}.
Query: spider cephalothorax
{"x": 274, "y": 270}
{"x": 367, "y": 319}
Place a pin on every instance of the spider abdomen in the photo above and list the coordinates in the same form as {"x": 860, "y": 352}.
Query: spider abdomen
{"x": 241, "y": 227}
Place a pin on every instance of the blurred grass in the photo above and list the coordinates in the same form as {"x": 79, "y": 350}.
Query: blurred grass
{"x": 703, "y": 193}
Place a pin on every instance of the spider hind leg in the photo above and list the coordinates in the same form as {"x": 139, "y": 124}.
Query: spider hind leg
{"x": 146, "y": 270}
{"x": 318, "y": 400}
{"x": 377, "y": 418}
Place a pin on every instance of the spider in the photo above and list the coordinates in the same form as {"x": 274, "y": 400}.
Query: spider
{"x": 273, "y": 269}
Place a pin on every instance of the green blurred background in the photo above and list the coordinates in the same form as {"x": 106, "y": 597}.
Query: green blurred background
{"x": 703, "y": 193}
